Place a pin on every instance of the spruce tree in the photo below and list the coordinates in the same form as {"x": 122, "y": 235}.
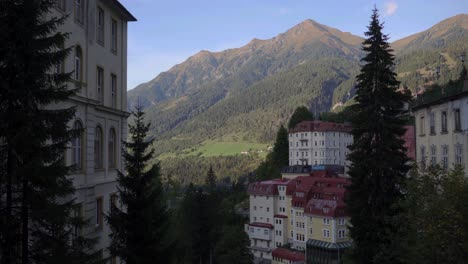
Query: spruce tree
{"x": 379, "y": 163}
{"x": 210, "y": 180}
{"x": 300, "y": 114}
{"x": 139, "y": 228}
{"x": 36, "y": 210}
{"x": 281, "y": 148}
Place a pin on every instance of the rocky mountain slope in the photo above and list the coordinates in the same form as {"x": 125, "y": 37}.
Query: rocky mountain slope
{"x": 243, "y": 94}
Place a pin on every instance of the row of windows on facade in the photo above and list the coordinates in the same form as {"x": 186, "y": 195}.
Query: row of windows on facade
{"x": 80, "y": 15}
{"x": 444, "y": 154}
{"x": 325, "y": 234}
{"x": 319, "y": 134}
{"x": 322, "y": 153}
{"x": 100, "y": 78}
{"x": 325, "y": 221}
{"x": 443, "y": 122}
{"x": 321, "y": 143}
{"x": 77, "y": 148}
{"x": 320, "y": 162}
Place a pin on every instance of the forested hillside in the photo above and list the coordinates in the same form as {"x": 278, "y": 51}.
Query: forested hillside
{"x": 241, "y": 96}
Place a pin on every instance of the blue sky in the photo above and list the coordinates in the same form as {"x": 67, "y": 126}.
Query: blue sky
{"x": 169, "y": 31}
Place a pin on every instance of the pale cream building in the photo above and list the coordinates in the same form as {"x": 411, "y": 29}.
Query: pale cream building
{"x": 442, "y": 127}
{"x": 98, "y": 35}
{"x": 319, "y": 143}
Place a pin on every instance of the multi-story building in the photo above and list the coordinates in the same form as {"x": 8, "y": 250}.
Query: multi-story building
{"x": 442, "y": 126}
{"x": 319, "y": 143}
{"x": 303, "y": 212}
{"x": 99, "y": 64}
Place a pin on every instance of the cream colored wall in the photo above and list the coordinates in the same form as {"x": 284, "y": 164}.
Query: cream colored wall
{"x": 90, "y": 183}
{"x": 333, "y": 151}
{"x": 450, "y": 138}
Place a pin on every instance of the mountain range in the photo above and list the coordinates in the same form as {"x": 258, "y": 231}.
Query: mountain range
{"x": 242, "y": 95}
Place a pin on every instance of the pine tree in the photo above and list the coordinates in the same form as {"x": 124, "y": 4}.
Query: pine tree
{"x": 300, "y": 114}
{"x": 233, "y": 246}
{"x": 36, "y": 212}
{"x": 281, "y": 148}
{"x": 210, "y": 180}
{"x": 139, "y": 228}
{"x": 379, "y": 162}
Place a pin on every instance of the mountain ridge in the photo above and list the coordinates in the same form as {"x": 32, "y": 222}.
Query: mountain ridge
{"x": 244, "y": 94}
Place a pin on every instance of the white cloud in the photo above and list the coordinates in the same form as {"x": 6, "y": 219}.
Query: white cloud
{"x": 390, "y": 8}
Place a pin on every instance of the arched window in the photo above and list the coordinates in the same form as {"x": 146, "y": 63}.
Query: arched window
{"x": 111, "y": 148}
{"x": 77, "y": 147}
{"x": 98, "y": 148}
{"x": 78, "y": 70}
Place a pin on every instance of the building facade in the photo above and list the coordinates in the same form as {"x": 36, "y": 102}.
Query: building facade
{"x": 304, "y": 213}
{"x": 319, "y": 143}
{"x": 442, "y": 129}
{"x": 98, "y": 37}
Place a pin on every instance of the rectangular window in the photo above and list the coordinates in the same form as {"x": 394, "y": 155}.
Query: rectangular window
{"x": 77, "y": 72}
{"x": 432, "y": 123}
{"x": 458, "y": 154}
{"x": 341, "y": 221}
{"x": 99, "y": 211}
{"x": 114, "y": 35}
{"x": 79, "y": 11}
{"x": 423, "y": 156}
{"x": 100, "y": 84}
{"x": 326, "y": 233}
{"x": 445, "y": 156}
{"x": 100, "y": 26}
{"x": 433, "y": 155}
{"x": 326, "y": 221}
{"x": 444, "y": 121}
{"x": 114, "y": 90}
{"x": 422, "y": 126}
{"x": 456, "y": 116}
{"x": 341, "y": 233}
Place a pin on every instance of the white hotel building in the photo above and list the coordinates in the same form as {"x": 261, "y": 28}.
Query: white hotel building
{"x": 319, "y": 143}
{"x": 442, "y": 128}
{"x": 99, "y": 64}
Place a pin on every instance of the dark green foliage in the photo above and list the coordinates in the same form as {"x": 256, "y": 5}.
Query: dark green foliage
{"x": 210, "y": 179}
{"x": 281, "y": 147}
{"x": 36, "y": 210}
{"x": 233, "y": 248}
{"x": 139, "y": 229}
{"x": 193, "y": 168}
{"x": 345, "y": 115}
{"x": 300, "y": 114}
{"x": 438, "y": 209}
{"x": 207, "y": 228}
{"x": 378, "y": 159}
{"x": 277, "y": 159}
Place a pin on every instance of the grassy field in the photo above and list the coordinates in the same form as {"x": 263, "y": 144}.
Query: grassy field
{"x": 212, "y": 148}
{"x": 221, "y": 148}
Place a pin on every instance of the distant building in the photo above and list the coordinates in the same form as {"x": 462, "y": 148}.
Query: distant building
{"x": 319, "y": 143}
{"x": 305, "y": 212}
{"x": 410, "y": 142}
{"x": 442, "y": 126}
{"x": 99, "y": 65}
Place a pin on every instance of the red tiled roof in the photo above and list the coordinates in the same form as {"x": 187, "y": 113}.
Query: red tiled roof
{"x": 266, "y": 187}
{"x": 264, "y": 225}
{"x": 280, "y": 216}
{"x": 288, "y": 254}
{"x": 312, "y": 126}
